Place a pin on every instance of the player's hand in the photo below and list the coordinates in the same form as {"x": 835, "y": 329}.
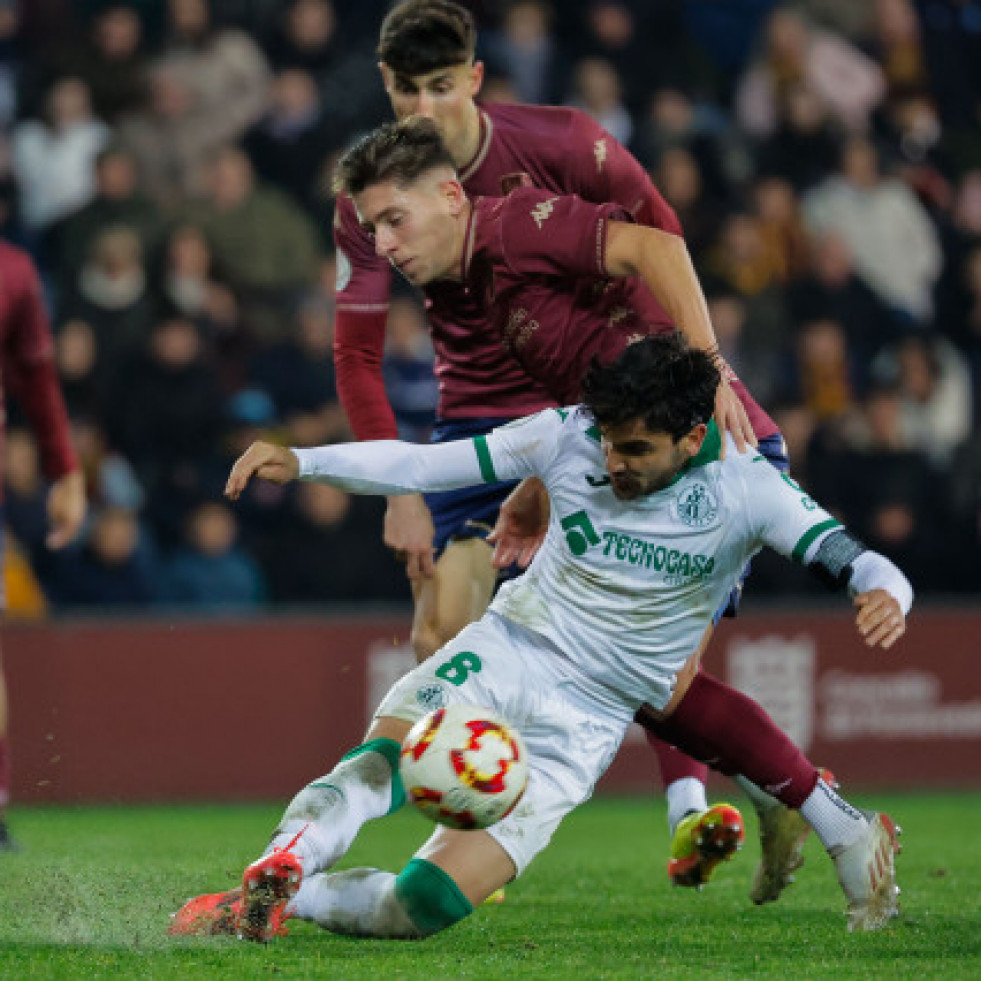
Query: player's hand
{"x": 880, "y": 619}
{"x": 521, "y": 525}
{"x": 409, "y": 531}
{"x": 66, "y": 509}
{"x": 266, "y": 460}
{"x": 730, "y": 417}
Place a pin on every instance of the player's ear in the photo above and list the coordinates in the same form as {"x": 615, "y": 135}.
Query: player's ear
{"x": 388, "y": 76}
{"x": 476, "y": 78}
{"x": 454, "y": 194}
{"x": 694, "y": 439}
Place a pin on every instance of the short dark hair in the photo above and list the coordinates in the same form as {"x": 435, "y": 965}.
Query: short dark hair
{"x": 420, "y": 36}
{"x": 659, "y": 380}
{"x": 400, "y": 152}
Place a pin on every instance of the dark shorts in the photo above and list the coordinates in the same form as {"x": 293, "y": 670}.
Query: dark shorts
{"x": 775, "y": 450}
{"x": 469, "y": 512}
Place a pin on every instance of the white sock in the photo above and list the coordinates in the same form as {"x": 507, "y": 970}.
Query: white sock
{"x": 759, "y": 798}
{"x": 833, "y": 819}
{"x": 323, "y": 819}
{"x": 684, "y": 796}
{"x": 357, "y": 902}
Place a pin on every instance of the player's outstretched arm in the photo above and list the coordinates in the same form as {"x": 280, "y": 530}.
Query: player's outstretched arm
{"x": 662, "y": 261}
{"x": 265, "y": 460}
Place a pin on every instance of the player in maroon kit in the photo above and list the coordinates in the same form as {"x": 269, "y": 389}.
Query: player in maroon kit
{"x": 28, "y": 372}
{"x": 427, "y": 62}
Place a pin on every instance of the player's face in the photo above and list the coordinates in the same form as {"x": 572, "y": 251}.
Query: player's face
{"x": 446, "y": 97}
{"x": 641, "y": 462}
{"x": 416, "y": 227}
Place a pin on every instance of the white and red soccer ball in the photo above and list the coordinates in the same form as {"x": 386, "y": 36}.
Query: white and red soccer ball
{"x": 464, "y": 767}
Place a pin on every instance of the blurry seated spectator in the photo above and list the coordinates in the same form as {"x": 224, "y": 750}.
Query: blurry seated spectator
{"x": 110, "y": 480}
{"x": 886, "y": 491}
{"x": 210, "y": 570}
{"x": 9, "y": 63}
{"x": 743, "y": 258}
{"x": 679, "y": 179}
{"x": 225, "y": 73}
{"x": 111, "y": 293}
{"x": 674, "y": 120}
{"x": 327, "y": 550}
{"x": 306, "y": 37}
{"x": 111, "y": 60}
{"x": 831, "y": 290}
{"x": 803, "y": 147}
{"x": 823, "y": 370}
{"x": 965, "y": 504}
{"x": 291, "y": 144}
{"x": 266, "y": 246}
{"x": 115, "y": 566}
{"x": 894, "y": 244}
{"x": 526, "y": 52}
{"x": 117, "y": 201}
{"x": 167, "y": 417}
{"x": 849, "y": 82}
{"x": 894, "y": 39}
{"x": 298, "y": 374}
{"x": 25, "y": 493}
{"x": 53, "y": 158}
{"x": 781, "y": 226}
{"x": 82, "y": 383}
{"x": 598, "y": 91}
{"x": 408, "y": 370}
{"x": 934, "y": 388}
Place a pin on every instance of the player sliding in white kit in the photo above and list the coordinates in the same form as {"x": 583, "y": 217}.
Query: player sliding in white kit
{"x": 649, "y": 529}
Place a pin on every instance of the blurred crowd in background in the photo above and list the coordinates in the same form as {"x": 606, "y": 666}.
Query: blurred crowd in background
{"x": 165, "y": 163}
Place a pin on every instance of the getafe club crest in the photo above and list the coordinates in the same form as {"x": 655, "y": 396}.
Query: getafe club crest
{"x": 697, "y": 505}
{"x": 431, "y": 696}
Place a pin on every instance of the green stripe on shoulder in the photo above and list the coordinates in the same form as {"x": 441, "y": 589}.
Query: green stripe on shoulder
{"x": 563, "y": 413}
{"x": 804, "y": 543}
{"x": 484, "y": 459}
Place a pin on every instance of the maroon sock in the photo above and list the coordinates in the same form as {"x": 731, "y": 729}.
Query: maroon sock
{"x": 4, "y": 771}
{"x": 674, "y": 764}
{"x": 731, "y": 733}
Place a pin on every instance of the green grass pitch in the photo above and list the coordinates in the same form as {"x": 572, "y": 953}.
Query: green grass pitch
{"x": 89, "y": 897}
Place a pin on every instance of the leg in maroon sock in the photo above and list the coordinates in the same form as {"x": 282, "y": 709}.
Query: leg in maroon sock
{"x": 674, "y": 764}
{"x": 722, "y": 727}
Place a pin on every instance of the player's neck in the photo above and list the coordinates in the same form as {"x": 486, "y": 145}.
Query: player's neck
{"x": 469, "y": 143}
{"x": 457, "y": 273}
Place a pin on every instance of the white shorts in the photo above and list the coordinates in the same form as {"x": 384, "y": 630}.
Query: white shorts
{"x": 570, "y": 739}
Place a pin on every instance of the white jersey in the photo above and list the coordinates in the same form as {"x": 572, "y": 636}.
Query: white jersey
{"x": 622, "y": 589}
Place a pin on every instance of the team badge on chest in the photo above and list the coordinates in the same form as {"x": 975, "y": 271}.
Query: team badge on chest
{"x": 697, "y": 506}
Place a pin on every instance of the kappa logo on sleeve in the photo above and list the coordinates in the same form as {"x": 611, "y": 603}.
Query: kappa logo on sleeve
{"x": 543, "y": 211}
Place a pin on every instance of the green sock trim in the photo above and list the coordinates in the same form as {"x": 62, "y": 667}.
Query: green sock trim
{"x": 431, "y": 899}
{"x": 391, "y": 750}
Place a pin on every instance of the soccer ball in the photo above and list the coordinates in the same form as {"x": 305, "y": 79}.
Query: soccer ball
{"x": 463, "y": 767}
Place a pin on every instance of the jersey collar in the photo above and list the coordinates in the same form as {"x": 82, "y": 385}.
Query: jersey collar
{"x": 486, "y": 134}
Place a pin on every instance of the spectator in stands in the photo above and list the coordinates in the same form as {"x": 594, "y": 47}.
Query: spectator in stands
{"x": 25, "y": 493}
{"x": 895, "y": 246}
{"x": 325, "y": 551}
{"x": 268, "y": 248}
{"x": 679, "y": 179}
{"x": 298, "y": 374}
{"x": 597, "y": 90}
{"x": 83, "y": 382}
{"x": 291, "y": 145}
{"x": 408, "y": 370}
{"x": 224, "y": 72}
{"x": 850, "y": 83}
{"x": 117, "y": 201}
{"x": 525, "y": 51}
{"x": 112, "y": 294}
{"x": 54, "y": 160}
{"x": 116, "y": 566}
{"x": 307, "y": 37}
{"x": 210, "y": 570}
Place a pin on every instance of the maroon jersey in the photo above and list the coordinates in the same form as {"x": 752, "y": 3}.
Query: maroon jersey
{"x": 27, "y": 367}
{"x": 563, "y": 151}
{"x": 538, "y": 260}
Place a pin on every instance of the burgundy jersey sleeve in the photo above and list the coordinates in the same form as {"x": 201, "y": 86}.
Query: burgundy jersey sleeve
{"x": 607, "y": 171}
{"x": 29, "y": 366}
{"x": 361, "y": 295}
{"x": 554, "y": 235}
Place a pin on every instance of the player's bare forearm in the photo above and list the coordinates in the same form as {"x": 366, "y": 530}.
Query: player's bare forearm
{"x": 409, "y": 532}
{"x": 265, "y": 460}
{"x": 880, "y": 619}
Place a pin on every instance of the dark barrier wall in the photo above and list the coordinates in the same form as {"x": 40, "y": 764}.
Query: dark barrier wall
{"x": 254, "y": 709}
